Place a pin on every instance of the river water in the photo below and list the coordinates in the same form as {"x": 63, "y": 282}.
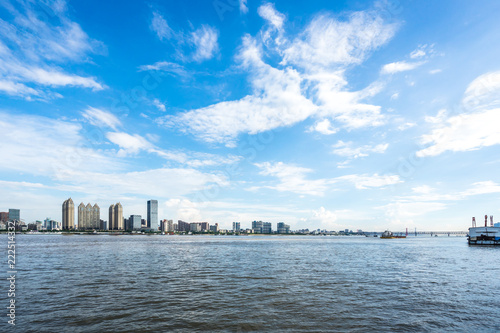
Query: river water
{"x": 158, "y": 283}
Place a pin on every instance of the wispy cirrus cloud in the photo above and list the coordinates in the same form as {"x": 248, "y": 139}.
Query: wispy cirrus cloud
{"x": 198, "y": 45}
{"x": 346, "y": 149}
{"x": 293, "y": 178}
{"x": 205, "y": 42}
{"x": 101, "y": 118}
{"x": 160, "y": 26}
{"x": 33, "y": 50}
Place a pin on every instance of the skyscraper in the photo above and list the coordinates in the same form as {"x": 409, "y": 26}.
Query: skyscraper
{"x": 96, "y": 217}
{"x": 111, "y": 222}
{"x": 82, "y": 216}
{"x": 236, "y": 226}
{"x": 134, "y": 222}
{"x": 152, "y": 217}
{"x": 119, "y": 217}
{"x": 68, "y": 214}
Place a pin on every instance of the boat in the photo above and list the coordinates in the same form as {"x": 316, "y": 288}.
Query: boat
{"x": 389, "y": 235}
{"x": 487, "y": 235}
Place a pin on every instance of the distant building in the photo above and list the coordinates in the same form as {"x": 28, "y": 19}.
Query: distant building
{"x": 196, "y": 227}
{"x": 215, "y": 227}
{"x": 51, "y": 225}
{"x": 4, "y": 216}
{"x": 283, "y": 228}
{"x": 257, "y": 227}
{"x": 236, "y": 226}
{"x": 167, "y": 225}
{"x": 116, "y": 217}
{"x": 152, "y": 217}
{"x": 103, "y": 225}
{"x": 68, "y": 214}
{"x": 183, "y": 226}
{"x": 205, "y": 226}
{"x": 14, "y": 215}
{"x": 170, "y": 226}
{"x": 134, "y": 222}
{"x": 267, "y": 228}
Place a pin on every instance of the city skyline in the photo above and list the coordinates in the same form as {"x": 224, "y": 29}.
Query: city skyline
{"x": 372, "y": 114}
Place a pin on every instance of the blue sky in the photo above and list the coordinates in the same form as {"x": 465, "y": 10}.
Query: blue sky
{"x": 325, "y": 114}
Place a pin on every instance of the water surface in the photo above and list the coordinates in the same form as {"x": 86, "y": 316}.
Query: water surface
{"x": 253, "y": 284}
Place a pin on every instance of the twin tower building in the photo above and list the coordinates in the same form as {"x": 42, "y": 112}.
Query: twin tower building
{"x": 89, "y": 217}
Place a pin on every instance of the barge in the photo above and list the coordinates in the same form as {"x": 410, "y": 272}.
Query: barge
{"x": 487, "y": 235}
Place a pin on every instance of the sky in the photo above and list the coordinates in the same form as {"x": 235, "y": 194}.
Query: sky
{"x": 321, "y": 114}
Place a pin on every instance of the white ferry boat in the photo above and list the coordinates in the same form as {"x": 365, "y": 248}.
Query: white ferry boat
{"x": 487, "y": 235}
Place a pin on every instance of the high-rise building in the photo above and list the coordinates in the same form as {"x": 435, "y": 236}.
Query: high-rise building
{"x": 89, "y": 216}
{"x": 183, "y": 226}
{"x": 68, "y": 214}
{"x": 14, "y": 214}
{"x": 116, "y": 217}
{"x": 267, "y": 228}
{"x": 236, "y": 226}
{"x": 152, "y": 217}
{"x": 111, "y": 220}
{"x": 119, "y": 216}
{"x": 96, "y": 217}
{"x": 283, "y": 228}
{"x": 82, "y": 216}
{"x": 134, "y": 222}
{"x": 257, "y": 227}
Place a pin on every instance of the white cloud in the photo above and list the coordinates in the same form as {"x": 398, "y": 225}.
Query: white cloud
{"x": 326, "y": 218}
{"x": 324, "y": 127}
{"x": 243, "y": 6}
{"x": 406, "y": 126}
{"x": 166, "y": 66}
{"x": 400, "y": 66}
{"x": 309, "y": 82}
{"x": 435, "y": 71}
{"x": 17, "y": 89}
{"x": 269, "y": 13}
{"x": 483, "y": 187}
{"x": 483, "y": 91}
{"x": 155, "y": 182}
{"x": 129, "y": 144}
{"x": 159, "y": 105}
{"x": 473, "y": 129}
{"x": 45, "y": 147}
{"x": 205, "y": 41}
{"x": 328, "y": 42}
{"x": 463, "y": 133}
{"x": 160, "y": 26}
{"x": 277, "y": 101}
{"x": 292, "y": 179}
{"x": 32, "y": 49}
{"x": 418, "y": 53}
{"x": 362, "y": 182}
{"x": 346, "y": 149}
{"x": 101, "y": 118}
